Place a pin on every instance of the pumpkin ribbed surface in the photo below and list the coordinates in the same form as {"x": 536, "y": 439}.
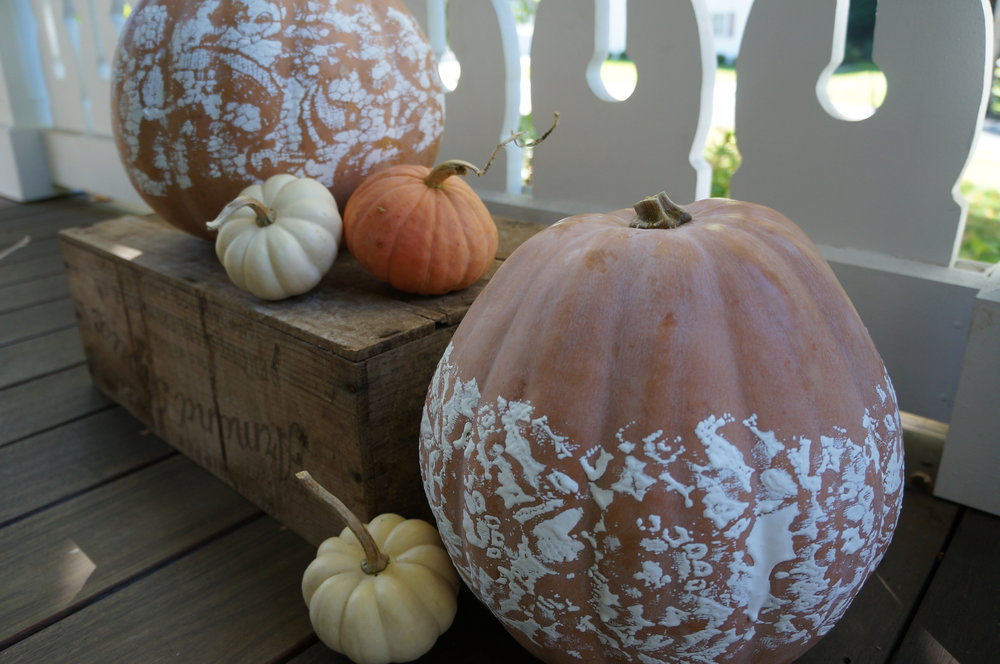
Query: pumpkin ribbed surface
{"x": 649, "y": 445}
{"x": 419, "y": 238}
{"x": 212, "y": 96}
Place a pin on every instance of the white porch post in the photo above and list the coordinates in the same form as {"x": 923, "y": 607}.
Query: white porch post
{"x": 24, "y": 110}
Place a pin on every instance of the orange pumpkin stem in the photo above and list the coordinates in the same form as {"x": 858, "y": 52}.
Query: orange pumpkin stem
{"x": 451, "y": 167}
{"x": 265, "y": 215}
{"x": 446, "y": 169}
{"x": 375, "y": 561}
{"x": 659, "y": 212}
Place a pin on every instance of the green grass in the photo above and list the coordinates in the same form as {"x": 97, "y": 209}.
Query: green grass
{"x": 981, "y": 240}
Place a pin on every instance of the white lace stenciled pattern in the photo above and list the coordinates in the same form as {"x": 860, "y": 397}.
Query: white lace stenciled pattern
{"x": 788, "y": 520}
{"x": 325, "y": 122}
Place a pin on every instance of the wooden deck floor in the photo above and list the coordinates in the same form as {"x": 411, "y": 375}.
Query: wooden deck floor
{"x": 114, "y": 548}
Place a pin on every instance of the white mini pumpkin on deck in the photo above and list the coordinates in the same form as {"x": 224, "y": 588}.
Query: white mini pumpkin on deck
{"x": 379, "y": 593}
{"x": 278, "y": 238}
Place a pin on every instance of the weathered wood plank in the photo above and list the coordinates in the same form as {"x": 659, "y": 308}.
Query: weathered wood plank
{"x": 63, "y": 557}
{"x": 14, "y": 212}
{"x": 392, "y": 412}
{"x": 12, "y": 273}
{"x": 47, "y": 402}
{"x": 876, "y": 620}
{"x": 235, "y": 600}
{"x": 27, "y": 294}
{"x": 333, "y": 380}
{"x": 959, "y": 618}
{"x": 45, "y": 224}
{"x": 150, "y": 248}
{"x": 70, "y": 459}
{"x": 40, "y": 356}
{"x": 33, "y": 250}
{"x": 36, "y": 320}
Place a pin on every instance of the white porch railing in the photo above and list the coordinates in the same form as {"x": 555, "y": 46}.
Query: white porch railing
{"x": 878, "y": 195}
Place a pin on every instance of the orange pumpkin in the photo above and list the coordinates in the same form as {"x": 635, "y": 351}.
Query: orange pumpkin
{"x": 649, "y": 443}
{"x": 210, "y": 97}
{"x": 421, "y": 230}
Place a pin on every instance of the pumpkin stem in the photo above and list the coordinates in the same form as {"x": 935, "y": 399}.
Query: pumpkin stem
{"x": 446, "y": 169}
{"x": 375, "y": 561}
{"x": 265, "y": 215}
{"x": 659, "y": 212}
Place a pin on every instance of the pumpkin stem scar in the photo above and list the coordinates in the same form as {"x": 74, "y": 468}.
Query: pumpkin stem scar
{"x": 375, "y": 561}
{"x": 265, "y": 215}
{"x": 659, "y": 212}
{"x": 446, "y": 169}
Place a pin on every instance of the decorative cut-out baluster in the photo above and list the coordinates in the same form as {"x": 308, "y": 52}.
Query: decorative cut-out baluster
{"x": 101, "y": 54}
{"x": 26, "y": 100}
{"x": 484, "y": 107}
{"x": 887, "y": 183}
{"x": 51, "y": 31}
{"x": 607, "y": 154}
{"x": 71, "y": 24}
{"x": 842, "y": 99}
{"x": 436, "y": 26}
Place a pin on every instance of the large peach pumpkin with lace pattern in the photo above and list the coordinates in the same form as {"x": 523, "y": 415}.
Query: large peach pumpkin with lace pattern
{"x": 209, "y": 97}
{"x": 664, "y": 444}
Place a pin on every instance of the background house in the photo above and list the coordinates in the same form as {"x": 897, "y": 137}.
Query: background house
{"x": 729, "y": 18}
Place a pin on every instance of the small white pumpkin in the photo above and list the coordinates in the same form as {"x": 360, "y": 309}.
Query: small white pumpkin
{"x": 382, "y": 593}
{"x": 278, "y": 238}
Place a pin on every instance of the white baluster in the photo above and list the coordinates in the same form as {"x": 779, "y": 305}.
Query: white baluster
{"x": 24, "y": 100}
{"x": 81, "y": 66}
{"x": 887, "y": 183}
{"x": 484, "y": 108}
{"x": 98, "y": 35}
{"x": 24, "y": 107}
{"x": 60, "y": 67}
{"x": 608, "y": 154}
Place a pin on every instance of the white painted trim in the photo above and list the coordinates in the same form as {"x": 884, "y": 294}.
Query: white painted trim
{"x": 970, "y": 465}
{"x": 90, "y": 163}
{"x": 24, "y": 168}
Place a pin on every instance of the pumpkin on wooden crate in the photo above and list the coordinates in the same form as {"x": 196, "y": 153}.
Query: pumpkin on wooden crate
{"x": 208, "y": 96}
{"x": 664, "y": 435}
{"x": 382, "y": 592}
{"x": 420, "y": 229}
{"x": 279, "y": 237}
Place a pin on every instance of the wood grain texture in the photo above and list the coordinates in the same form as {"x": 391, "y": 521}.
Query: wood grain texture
{"x": 26, "y": 294}
{"x": 154, "y": 250}
{"x": 235, "y": 600}
{"x": 63, "y": 557}
{"x": 40, "y": 356}
{"x": 78, "y": 456}
{"x": 12, "y": 273}
{"x": 36, "y": 320}
{"x": 31, "y": 251}
{"x": 959, "y": 619}
{"x": 48, "y": 402}
{"x": 332, "y": 381}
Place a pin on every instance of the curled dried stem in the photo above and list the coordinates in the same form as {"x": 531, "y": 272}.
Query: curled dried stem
{"x": 446, "y": 169}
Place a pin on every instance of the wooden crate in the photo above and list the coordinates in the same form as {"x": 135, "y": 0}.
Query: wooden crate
{"x": 332, "y": 381}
